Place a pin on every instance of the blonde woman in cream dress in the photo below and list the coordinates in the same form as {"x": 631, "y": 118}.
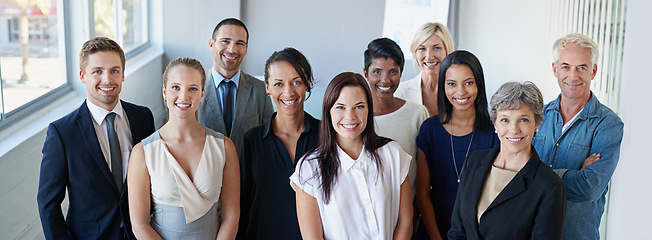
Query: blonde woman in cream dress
{"x": 182, "y": 172}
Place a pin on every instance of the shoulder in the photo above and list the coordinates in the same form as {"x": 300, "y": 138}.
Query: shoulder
{"x": 608, "y": 116}
{"x": 151, "y": 138}
{"x": 479, "y": 154}
{"x": 546, "y": 175}
{"x": 431, "y": 123}
{"x": 254, "y": 82}
{"x": 214, "y": 134}
{"x": 255, "y": 133}
{"x": 552, "y": 105}
{"x": 131, "y": 109}
{"x": 69, "y": 119}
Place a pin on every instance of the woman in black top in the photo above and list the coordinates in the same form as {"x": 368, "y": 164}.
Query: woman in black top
{"x": 507, "y": 192}
{"x": 271, "y": 150}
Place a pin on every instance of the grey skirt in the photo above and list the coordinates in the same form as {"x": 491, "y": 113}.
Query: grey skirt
{"x": 170, "y": 222}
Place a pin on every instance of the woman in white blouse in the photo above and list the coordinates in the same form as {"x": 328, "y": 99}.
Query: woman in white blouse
{"x": 353, "y": 184}
{"x": 432, "y": 42}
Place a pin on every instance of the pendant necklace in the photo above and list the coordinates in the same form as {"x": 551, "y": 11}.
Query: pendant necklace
{"x": 453, "y": 150}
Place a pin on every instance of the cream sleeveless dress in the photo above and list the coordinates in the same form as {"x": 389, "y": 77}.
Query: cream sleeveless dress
{"x": 185, "y": 208}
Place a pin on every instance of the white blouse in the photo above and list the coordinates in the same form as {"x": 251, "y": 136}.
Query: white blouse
{"x": 410, "y": 90}
{"x": 170, "y": 185}
{"x": 403, "y": 127}
{"x": 364, "y": 203}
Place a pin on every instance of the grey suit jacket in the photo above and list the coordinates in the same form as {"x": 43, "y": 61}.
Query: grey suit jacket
{"x": 252, "y": 108}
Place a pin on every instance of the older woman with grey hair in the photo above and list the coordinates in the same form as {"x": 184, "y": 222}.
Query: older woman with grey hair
{"x": 507, "y": 192}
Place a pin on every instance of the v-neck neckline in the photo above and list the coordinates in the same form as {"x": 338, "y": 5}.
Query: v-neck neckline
{"x": 201, "y": 158}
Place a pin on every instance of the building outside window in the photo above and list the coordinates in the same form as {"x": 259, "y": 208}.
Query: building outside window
{"x": 32, "y": 62}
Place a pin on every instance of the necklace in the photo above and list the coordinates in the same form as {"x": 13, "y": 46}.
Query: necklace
{"x": 453, "y": 151}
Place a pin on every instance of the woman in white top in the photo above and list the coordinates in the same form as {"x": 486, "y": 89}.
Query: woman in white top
{"x": 432, "y": 42}
{"x": 394, "y": 118}
{"x": 184, "y": 169}
{"x": 353, "y": 184}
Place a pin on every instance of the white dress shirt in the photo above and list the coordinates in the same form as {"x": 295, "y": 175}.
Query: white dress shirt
{"x": 364, "y": 202}
{"x": 121, "y": 124}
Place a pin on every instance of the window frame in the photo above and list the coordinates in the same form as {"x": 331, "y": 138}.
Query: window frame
{"x": 64, "y": 17}
{"x": 119, "y": 37}
{"x": 7, "y": 119}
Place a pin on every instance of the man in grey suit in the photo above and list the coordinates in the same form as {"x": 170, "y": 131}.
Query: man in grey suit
{"x": 234, "y": 101}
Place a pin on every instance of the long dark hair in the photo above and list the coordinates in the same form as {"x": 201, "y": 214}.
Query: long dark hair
{"x": 298, "y": 62}
{"x": 326, "y": 149}
{"x": 445, "y": 108}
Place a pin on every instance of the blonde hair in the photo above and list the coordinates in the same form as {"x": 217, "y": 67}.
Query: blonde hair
{"x": 424, "y": 32}
{"x": 188, "y": 62}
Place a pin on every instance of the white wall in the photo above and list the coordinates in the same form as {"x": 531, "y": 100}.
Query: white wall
{"x": 331, "y": 34}
{"x": 188, "y": 25}
{"x": 630, "y": 210}
{"x": 508, "y": 37}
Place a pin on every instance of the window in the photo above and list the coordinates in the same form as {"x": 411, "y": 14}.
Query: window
{"x": 604, "y": 22}
{"x": 403, "y": 17}
{"x": 32, "y": 59}
{"x": 125, "y": 21}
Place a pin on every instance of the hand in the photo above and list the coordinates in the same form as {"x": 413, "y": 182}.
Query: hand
{"x": 590, "y": 160}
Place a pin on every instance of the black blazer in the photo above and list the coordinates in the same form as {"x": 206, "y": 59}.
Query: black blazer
{"x": 72, "y": 158}
{"x": 532, "y": 205}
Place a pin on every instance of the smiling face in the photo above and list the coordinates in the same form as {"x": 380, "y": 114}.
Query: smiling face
{"x": 460, "y": 87}
{"x": 383, "y": 75}
{"x": 229, "y": 46}
{"x": 349, "y": 115}
{"x": 515, "y": 129}
{"x": 183, "y": 91}
{"x": 103, "y": 76}
{"x": 429, "y": 54}
{"x": 286, "y": 87}
{"x": 574, "y": 71}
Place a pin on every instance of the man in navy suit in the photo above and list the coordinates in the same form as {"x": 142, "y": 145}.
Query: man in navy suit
{"x": 87, "y": 152}
{"x": 234, "y": 101}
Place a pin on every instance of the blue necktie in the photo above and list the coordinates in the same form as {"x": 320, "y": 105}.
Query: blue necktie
{"x": 116, "y": 155}
{"x": 227, "y": 111}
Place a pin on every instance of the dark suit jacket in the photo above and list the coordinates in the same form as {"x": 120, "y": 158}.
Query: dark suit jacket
{"x": 532, "y": 205}
{"x": 72, "y": 158}
{"x": 252, "y": 108}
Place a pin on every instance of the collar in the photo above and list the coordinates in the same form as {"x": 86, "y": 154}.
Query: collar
{"x": 99, "y": 114}
{"x": 310, "y": 121}
{"x": 591, "y": 108}
{"x": 347, "y": 162}
{"x": 416, "y": 84}
{"x": 217, "y": 77}
{"x": 530, "y": 168}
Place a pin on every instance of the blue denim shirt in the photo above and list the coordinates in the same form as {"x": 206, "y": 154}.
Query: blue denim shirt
{"x": 597, "y": 129}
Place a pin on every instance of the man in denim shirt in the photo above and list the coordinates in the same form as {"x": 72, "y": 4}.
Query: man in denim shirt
{"x": 580, "y": 137}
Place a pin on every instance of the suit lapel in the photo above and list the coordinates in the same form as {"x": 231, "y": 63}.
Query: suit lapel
{"x": 86, "y": 128}
{"x": 479, "y": 175}
{"x": 518, "y": 184}
{"x": 214, "y": 103}
{"x": 241, "y": 102}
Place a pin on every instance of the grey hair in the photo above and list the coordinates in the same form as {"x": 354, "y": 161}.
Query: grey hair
{"x": 511, "y": 95}
{"x": 579, "y": 39}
